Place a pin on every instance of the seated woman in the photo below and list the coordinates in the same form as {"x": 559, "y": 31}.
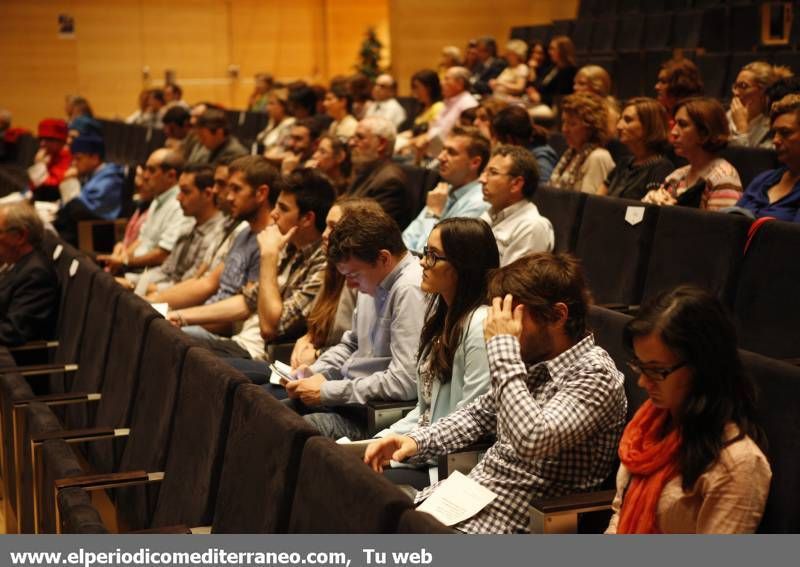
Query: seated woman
{"x": 776, "y": 193}
{"x": 427, "y": 89}
{"x": 511, "y": 82}
{"x": 560, "y": 78}
{"x": 643, "y": 130}
{"x": 332, "y": 157}
{"x": 678, "y": 79}
{"x": 485, "y": 114}
{"x": 690, "y": 459}
{"x": 708, "y": 182}
{"x": 452, "y": 367}
{"x": 586, "y": 163}
{"x": 338, "y": 104}
{"x": 748, "y": 117}
{"x": 279, "y": 125}
{"x": 539, "y": 62}
{"x": 595, "y": 80}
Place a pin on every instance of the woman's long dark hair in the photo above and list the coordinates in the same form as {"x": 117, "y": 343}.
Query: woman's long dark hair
{"x": 470, "y": 247}
{"x": 695, "y": 326}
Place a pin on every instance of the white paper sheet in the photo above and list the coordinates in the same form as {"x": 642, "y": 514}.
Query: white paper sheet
{"x": 275, "y": 377}
{"x": 162, "y": 308}
{"x": 457, "y": 499}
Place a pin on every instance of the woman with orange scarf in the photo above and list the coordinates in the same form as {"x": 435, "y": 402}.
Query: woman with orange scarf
{"x": 690, "y": 460}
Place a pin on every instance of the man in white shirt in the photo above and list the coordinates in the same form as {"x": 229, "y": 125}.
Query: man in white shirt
{"x": 509, "y": 181}
{"x": 384, "y": 103}
{"x": 457, "y": 99}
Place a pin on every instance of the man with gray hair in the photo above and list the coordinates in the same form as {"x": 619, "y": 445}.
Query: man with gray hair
{"x": 28, "y": 287}
{"x": 376, "y": 175}
{"x": 383, "y": 101}
{"x": 457, "y": 99}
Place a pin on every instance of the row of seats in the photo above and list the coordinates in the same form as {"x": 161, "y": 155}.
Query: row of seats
{"x": 631, "y": 252}
{"x": 176, "y": 437}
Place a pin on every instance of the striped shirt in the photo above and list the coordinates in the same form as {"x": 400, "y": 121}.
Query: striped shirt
{"x": 557, "y": 425}
{"x": 723, "y": 185}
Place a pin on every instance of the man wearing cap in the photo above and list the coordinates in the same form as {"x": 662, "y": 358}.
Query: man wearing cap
{"x": 101, "y": 188}
{"x": 54, "y": 157}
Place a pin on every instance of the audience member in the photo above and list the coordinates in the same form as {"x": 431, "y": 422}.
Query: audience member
{"x": 708, "y": 182}
{"x": 690, "y": 460}
{"x": 456, "y": 100}
{"x": 177, "y": 127}
{"x": 586, "y": 163}
{"x": 332, "y": 157}
{"x": 101, "y": 188}
{"x": 780, "y": 88}
{"x": 428, "y": 91}
{"x": 338, "y": 105}
{"x": 383, "y": 101}
{"x": 557, "y": 404}
{"x": 165, "y": 222}
{"x": 452, "y": 367}
{"x": 262, "y": 87}
{"x": 145, "y": 195}
{"x": 142, "y": 116}
{"x": 173, "y": 96}
{"x": 539, "y": 63}
{"x": 375, "y": 175}
{"x": 196, "y": 199}
{"x": 375, "y": 360}
{"x": 54, "y": 157}
{"x": 512, "y": 80}
{"x": 29, "y": 286}
{"x": 451, "y": 57}
{"x": 489, "y": 65}
{"x": 361, "y": 89}
{"x": 748, "y": 117}
{"x": 512, "y": 125}
{"x": 595, "y": 80}
{"x": 509, "y": 182}
{"x": 77, "y": 106}
{"x": 776, "y": 193}
{"x": 678, "y": 79}
{"x": 279, "y": 125}
{"x": 214, "y": 134}
{"x": 332, "y": 312}
{"x": 643, "y": 128}
{"x": 252, "y": 190}
{"x": 471, "y": 62}
{"x": 460, "y": 194}
{"x": 300, "y": 145}
{"x": 485, "y": 113}
{"x": 560, "y": 79}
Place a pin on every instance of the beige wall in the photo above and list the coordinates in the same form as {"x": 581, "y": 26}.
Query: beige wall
{"x": 420, "y": 28}
{"x": 311, "y": 39}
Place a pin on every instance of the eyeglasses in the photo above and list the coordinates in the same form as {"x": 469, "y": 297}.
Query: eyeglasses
{"x": 652, "y": 373}
{"x": 430, "y": 257}
{"x": 742, "y": 86}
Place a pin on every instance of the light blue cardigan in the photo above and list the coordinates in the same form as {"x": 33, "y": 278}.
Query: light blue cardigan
{"x": 470, "y": 378}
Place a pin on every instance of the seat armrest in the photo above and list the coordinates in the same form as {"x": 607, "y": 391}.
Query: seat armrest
{"x": 39, "y": 369}
{"x": 560, "y": 514}
{"x": 34, "y": 345}
{"x": 80, "y": 435}
{"x": 381, "y": 414}
{"x": 61, "y": 399}
{"x": 462, "y": 460}
{"x": 112, "y": 480}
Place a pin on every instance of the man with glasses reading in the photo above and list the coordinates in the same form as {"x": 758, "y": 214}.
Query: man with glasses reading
{"x": 509, "y": 182}
{"x": 377, "y": 358}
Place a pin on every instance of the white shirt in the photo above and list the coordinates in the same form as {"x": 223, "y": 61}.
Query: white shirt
{"x": 165, "y": 223}
{"x": 520, "y": 230}
{"x": 389, "y": 109}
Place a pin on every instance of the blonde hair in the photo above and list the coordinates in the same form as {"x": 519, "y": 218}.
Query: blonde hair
{"x": 592, "y": 111}
{"x": 518, "y": 48}
{"x": 598, "y": 78}
{"x": 766, "y": 74}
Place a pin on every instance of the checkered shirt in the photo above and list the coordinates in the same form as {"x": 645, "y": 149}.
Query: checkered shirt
{"x": 557, "y": 425}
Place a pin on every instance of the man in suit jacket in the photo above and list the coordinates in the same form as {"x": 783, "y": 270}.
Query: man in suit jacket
{"x": 490, "y": 66}
{"x": 376, "y": 176}
{"x": 28, "y": 285}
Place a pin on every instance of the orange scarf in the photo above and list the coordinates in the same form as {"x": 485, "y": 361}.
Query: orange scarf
{"x": 652, "y": 462}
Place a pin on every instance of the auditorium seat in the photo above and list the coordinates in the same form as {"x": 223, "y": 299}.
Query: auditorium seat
{"x": 713, "y": 69}
{"x": 582, "y": 35}
{"x": 750, "y": 162}
{"x": 745, "y": 31}
{"x": 653, "y": 59}
{"x": 261, "y": 464}
{"x": 614, "y": 251}
{"x": 564, "y": 209}
{"x": 686, "y": 27}
{"x": 767, "y": 305}
{"x": 629, "y": 33}
{"x": 628, "y": 82}
{"x": 696, "y": 247}
{"x": 604, "y": 34}
{"x": 78, "y": 515}
{"x": 563, "y": 27}
{"x": 657, "y": 30}
{"x": 715, "y": 29}
{"x": 337, "y": 493}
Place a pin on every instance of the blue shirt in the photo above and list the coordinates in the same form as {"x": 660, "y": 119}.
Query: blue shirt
{"x": 755, "y": 197}
{"x": 466, "y": 201}
{"x": 546, "y": 160}
{"x": 102, "y": 193}
{"x": 241, "y": 266}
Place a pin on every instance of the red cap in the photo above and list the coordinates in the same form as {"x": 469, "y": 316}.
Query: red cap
{"x": 53, "y": 128}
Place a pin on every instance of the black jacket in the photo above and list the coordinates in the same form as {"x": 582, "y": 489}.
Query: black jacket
{"x": 29, "y": 296}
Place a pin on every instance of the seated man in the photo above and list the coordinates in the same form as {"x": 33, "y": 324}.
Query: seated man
{"x": 165, "y": 222}
{"x": 253, "y": 189}
{"x": 383, "y": 101}
{"x": 461, "y": 161}
{"x": 196, "y": 199}
{"x": 299, "y": 148}
{"x": 214, "y": 134}
{"x": 29, "y": 286}
{"x": 55, "y": 158}
{"x": 509, "y": 182}
{"x": 101, "y": 188}
{"x": 177, "y": 126}
{"x": 376, "y": 176}
{"x": 291, "y": 270}
{"x": 457, "y": 99}
{"x": 557, "y": 404}
{"x": 776, "y": 193}
{"x": 376, "y": 359}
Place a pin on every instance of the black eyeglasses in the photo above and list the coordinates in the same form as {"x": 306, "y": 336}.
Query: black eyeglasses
{"x": 430, "y": 257}
{"x": 652, "y": 373}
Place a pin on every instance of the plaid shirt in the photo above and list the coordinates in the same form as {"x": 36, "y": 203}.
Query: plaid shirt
{"x": 557, "y": 424}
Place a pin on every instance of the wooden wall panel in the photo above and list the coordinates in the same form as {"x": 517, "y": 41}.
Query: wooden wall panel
{"x": 348, "y": 21}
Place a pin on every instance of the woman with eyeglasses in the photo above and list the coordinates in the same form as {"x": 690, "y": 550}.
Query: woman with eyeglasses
{"x": 690, "y": 457}
{"x": 452, "y": 367}
{"x": 748, "y": 116}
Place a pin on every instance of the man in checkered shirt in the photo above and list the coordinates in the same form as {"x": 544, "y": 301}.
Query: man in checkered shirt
{"x": 557, "y": 404}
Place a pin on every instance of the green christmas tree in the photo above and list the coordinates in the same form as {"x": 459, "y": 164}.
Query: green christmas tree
{"x": 369, "y": 55}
